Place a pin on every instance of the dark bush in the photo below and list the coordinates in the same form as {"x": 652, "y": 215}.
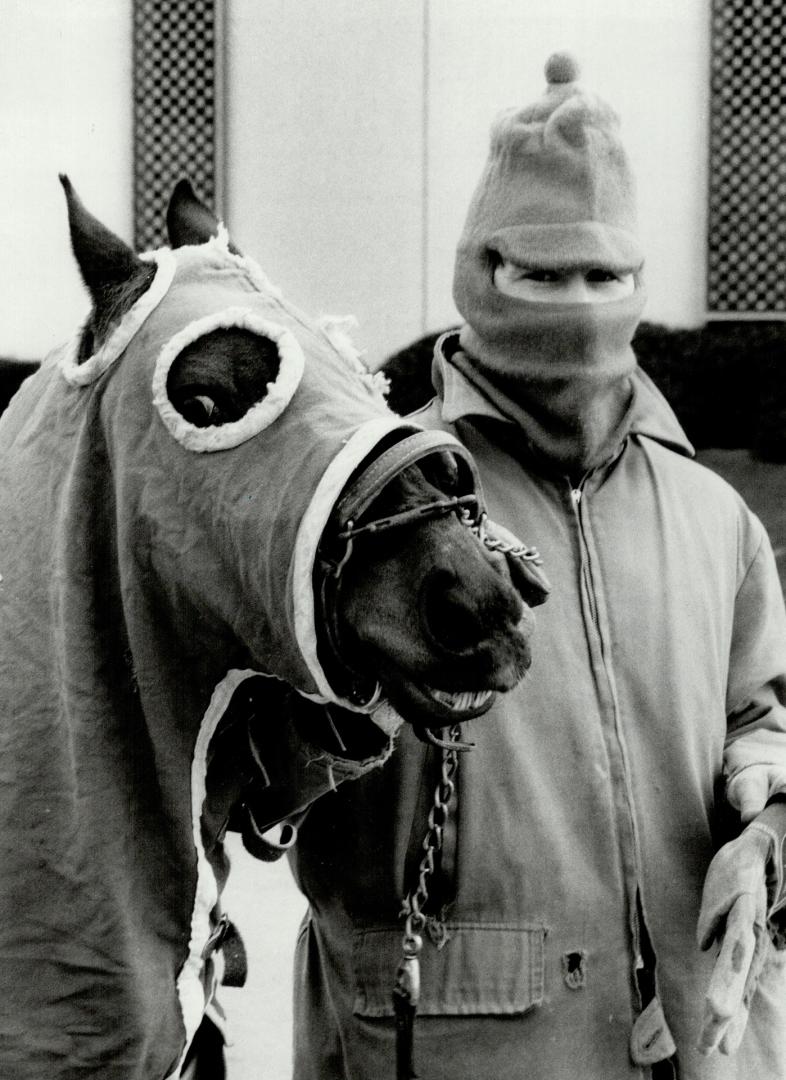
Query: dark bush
{"x": 12, "y": 374}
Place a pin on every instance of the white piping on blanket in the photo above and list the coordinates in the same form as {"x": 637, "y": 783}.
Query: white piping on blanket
{"x": 190, "y": 989}
{"x": 88, "y": 371}
{"x": 312, "y": 525}
{"x": 261, "y": 413}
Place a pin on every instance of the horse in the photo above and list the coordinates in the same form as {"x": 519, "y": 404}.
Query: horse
{"x": 229, "y": 573}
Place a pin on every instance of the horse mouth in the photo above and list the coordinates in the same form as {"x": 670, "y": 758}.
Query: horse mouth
{"x": 464, "y": 701}
{"x": 423, "y": 704}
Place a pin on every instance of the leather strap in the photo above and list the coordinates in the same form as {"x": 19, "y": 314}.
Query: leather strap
{"x": 373, "y": 478}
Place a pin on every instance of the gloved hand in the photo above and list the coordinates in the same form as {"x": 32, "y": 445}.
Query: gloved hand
{"x": 743, "y": 904}
{"x": 752, "y": 787}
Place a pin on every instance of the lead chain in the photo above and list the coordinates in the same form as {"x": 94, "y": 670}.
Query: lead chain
{"x": 406, "y": 991}
{"x": 494, "y": 543}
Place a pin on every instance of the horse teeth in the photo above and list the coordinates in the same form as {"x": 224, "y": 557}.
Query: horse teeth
{"x": 464, "y": 700}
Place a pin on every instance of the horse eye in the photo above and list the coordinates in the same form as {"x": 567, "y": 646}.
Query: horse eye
{"x": 200, "y": 410}
{"x": 442, "y": 471}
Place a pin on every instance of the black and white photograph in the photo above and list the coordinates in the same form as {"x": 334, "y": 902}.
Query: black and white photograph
{"x": 393, "y": 540}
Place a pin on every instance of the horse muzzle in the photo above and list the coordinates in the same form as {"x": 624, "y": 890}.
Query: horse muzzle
{"x": 467, "y": 634}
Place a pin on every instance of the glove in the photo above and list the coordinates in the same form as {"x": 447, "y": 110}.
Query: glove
{"x": 752, "y": 787}
{"x": 743, "y": 904}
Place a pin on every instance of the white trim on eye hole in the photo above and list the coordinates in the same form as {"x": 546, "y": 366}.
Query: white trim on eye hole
{"x": 261, "y": 414}
{"x": 86, "y": 372}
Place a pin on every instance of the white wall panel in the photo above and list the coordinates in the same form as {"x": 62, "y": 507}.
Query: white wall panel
{"x": 648, "y": 58}
{"x": 65, "y": 106}
{"x": 332, "y": 183}
{"x": 325, "y": 149}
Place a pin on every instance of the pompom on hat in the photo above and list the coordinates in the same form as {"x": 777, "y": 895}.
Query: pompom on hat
{"x": 557, "y": 191}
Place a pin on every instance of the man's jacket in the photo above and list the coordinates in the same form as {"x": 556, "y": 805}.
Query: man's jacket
{"x": 570, "y": 878}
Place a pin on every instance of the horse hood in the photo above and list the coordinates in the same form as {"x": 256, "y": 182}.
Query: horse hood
{"x": 142, "y": 560}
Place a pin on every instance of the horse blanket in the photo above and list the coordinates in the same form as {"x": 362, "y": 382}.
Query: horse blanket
{"x": 149, "y": 569}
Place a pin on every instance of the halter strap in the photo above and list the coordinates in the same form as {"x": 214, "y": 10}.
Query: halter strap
{"x": 373, "y": 478}
{"x": 359, "y": 495}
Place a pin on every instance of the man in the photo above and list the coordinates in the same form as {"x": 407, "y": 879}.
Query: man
{"x": 562, "y": 911}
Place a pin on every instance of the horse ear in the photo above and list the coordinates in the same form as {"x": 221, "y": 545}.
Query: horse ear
{"x": 188, "y": 220}
{"x": 105, "y": 261}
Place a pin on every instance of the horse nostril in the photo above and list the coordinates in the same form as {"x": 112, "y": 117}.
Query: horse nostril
{"x": 451, "y": 619}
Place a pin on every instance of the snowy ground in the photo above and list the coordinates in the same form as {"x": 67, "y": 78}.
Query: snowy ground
{"x": 263, "y": 901}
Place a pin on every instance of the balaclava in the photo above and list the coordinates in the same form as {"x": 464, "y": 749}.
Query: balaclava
{"x": 556, "y": 194}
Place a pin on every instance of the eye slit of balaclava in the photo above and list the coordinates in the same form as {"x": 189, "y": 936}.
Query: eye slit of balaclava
{"x": 218, "y": 377}
{"x": 493, "y": 261}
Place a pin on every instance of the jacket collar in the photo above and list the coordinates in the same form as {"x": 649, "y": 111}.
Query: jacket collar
{"x": 649, "y": 416}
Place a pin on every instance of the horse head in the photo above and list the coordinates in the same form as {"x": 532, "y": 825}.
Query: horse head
{"x": 441, "y": 620}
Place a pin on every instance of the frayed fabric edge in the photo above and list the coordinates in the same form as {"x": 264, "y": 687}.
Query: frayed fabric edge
{"x": 85, "y": 373}
{"x": 192, "y": 998}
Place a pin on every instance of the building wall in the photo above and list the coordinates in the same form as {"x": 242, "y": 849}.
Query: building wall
{"x": 357, "y": 133}
{"x": 650, "y": 59}
{"x": 354, "y": 136}
{"x": 325, "y": 177}
{"x": 65, "y": 106}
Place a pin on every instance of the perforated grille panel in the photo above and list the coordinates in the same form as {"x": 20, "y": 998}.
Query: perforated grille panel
{"x": 747, "y": 218}
{"x": 177, "y": 106}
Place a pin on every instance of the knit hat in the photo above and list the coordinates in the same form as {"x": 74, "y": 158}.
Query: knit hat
{"x": 556, "y": 194}
{"x": 557, "y": 190}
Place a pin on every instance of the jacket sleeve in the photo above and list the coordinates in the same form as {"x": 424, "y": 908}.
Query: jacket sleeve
{"x": 756, "y": 687}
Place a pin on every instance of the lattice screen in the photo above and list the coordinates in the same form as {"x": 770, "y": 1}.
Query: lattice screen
{"x": 177, "y": 107}
{"x": 747, "y": 219}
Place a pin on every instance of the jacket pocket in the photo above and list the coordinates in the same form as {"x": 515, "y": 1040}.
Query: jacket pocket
{"x": 484, "y": 969}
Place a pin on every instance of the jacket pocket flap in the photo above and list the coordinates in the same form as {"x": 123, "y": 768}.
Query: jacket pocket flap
{"x": 484, "y": 969}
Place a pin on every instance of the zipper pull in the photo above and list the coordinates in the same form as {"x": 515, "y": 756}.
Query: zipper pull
{"x": 575, "y": 495}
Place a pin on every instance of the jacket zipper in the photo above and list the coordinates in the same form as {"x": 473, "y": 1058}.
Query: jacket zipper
{"x": 577, "y": 499}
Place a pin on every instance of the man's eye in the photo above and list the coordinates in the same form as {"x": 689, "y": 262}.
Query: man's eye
{"x": 543, "y": 276}
{"x": 600, "y": 276}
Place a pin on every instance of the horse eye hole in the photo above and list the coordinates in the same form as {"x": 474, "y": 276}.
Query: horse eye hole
{"x": 219, "y": 376}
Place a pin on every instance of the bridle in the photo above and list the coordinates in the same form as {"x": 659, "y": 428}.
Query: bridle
{"x": 372, "y": 480}
{"x": 338, "y": 543}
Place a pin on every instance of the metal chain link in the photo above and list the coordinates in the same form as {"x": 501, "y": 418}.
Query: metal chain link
{"x": 494, "y": 543}
{"x": 415, "y": 901}
{"x": 406, "y": 988}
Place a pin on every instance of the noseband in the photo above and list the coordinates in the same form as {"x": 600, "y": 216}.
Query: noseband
{"x": 337, "y": 545}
